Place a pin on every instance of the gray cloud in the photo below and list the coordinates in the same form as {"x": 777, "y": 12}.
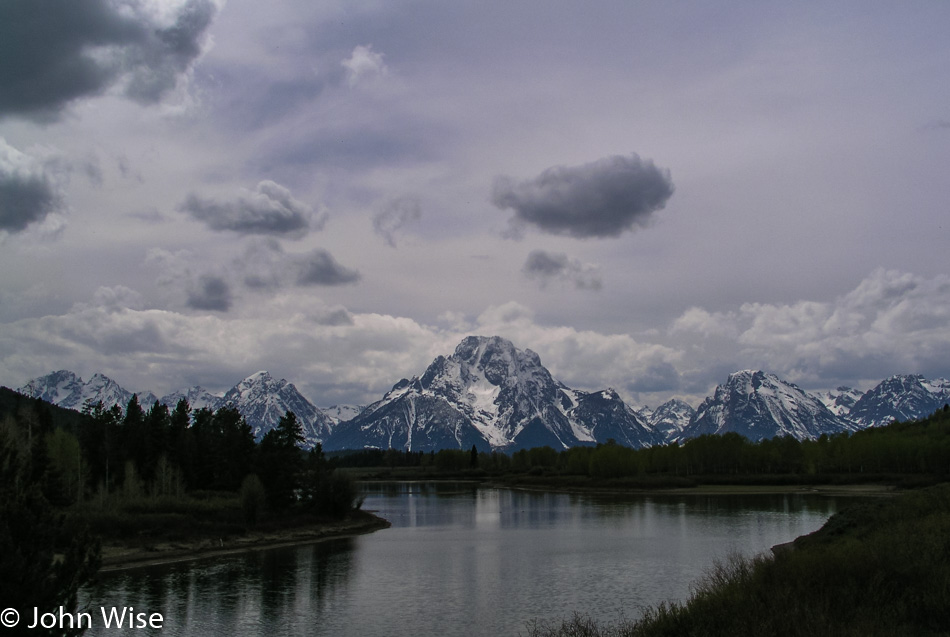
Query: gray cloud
{"x": 210, "y": 293}
{"x": 549, "y": 266}
{"x": 601, "y": 199}
{"x": 658, "y": 377}
{"x": 939, "y": 124}
{"x": 269, "y": 210}
{"x": 267, "y": 267}
{"x": 320, "y": 268}
{"x": 394, "y": 216}
{"x": 52, "y": 54}
{"x": 27, "y": 192}
{"x": 336, "y": 317}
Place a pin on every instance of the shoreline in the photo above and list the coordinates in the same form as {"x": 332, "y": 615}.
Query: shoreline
{"x": 118, "y": 558}
{"x": 861, "y": 490}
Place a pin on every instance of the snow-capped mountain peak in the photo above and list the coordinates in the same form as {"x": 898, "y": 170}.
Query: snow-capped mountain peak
{"x": 264, "y": 400}
{"x": 66, "y": 389}
{"x": 759, "y": 405}
{"x": 900, "y": 397}
{"x": 671, "y": 418}
{"x": 841, "y": 400}
{"x": 197, "y": 397}
{"x": 490, "y": 394}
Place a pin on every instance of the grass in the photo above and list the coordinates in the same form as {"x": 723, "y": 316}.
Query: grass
{"x": 881, "y": 568}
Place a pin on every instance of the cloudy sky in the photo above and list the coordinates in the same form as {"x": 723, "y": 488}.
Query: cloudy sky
{"x": 648, "y": 194}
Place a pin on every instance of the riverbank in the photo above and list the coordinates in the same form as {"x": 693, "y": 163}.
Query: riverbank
{"x": 856, "y": 490}
{"x": 697, "y": 484}
{"x": 879, "y": 568}
{"x": 149, "y": 551}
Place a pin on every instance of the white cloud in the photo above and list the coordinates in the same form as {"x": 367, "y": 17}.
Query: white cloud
{"x": 892, "y": 322}
{"x": 364, "y": 63}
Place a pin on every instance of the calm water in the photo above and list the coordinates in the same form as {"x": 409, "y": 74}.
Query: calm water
{"x": 461, "y": 560}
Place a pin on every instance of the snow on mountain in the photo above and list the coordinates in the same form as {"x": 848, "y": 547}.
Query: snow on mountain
{"x": 604, "y": 416}
{"x": 487, "y": 394}
{"x": 260, "y": 398}
{"x": 66, "y": 389}
{"x": 491, "y": 395}
{"x": 670, "y": 419}
{"x": 263, "y": 400}
{"x": 147, "y": 399}
{"x": 197, "y": 397}
{"x": 62, "y": 388}
{"x": 758, "y": 405}
{"x": 841, "y": 400}
{"x": 900, "y": 397}
{"x": 340, "y": 413}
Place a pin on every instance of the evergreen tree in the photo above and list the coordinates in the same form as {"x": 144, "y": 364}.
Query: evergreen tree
{"x": 280, "y": 462}
{"x": 41, "y": 565}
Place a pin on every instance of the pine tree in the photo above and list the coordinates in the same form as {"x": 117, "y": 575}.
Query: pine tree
{"x": 41, "y": 565}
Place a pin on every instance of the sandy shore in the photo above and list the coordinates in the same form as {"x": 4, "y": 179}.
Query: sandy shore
{"x": 118, "y": 556}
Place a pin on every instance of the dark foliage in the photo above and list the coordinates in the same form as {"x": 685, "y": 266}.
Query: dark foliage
{"x": 44, "y": 558}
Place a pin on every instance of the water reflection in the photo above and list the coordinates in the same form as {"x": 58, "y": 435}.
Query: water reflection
{"x": 463, "y": 560}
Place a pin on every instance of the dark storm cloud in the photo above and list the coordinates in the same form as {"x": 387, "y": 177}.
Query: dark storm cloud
{"x": 394, "y": 216}
{"x": 52, "y": 53}
{"x": 27, "y": 193}
{"x": 210, "y": 293}
{"x": 600, "y": 199}
{"x": 269, "y": 210}
{"x": 24, "y": 201}
{"x": 547, "y": 266}
{"x": 320, "y": 268}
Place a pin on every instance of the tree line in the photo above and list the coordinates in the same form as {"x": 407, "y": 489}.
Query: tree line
{"x": 901, "y": 448}
{"x": 167, "y": 453}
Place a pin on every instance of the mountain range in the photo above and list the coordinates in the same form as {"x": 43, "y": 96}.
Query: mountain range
{"x": 494, "y": 396}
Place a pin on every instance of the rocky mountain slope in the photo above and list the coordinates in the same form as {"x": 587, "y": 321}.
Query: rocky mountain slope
{"x": 758, "y": 405}
{"x": 492, "y": 395}
{"x": 260, "y": 398}
{"x": 902, "y": 397}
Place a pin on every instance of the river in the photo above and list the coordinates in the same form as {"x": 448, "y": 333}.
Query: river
{"x": 463, "y": 560}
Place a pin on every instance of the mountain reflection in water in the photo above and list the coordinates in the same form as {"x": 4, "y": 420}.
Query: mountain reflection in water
{"x": 464, "y": 560}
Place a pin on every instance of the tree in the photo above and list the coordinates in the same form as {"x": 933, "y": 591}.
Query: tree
{"x": 280, "y": 461}
{"x": 41, "y": 564}
{"x": 253, "y": 498}
{"x": 65, "y": 466}
{"x": 324, "y": 490}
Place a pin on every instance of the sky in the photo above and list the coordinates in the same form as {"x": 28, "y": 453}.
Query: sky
{"x": 650, "y": 195}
